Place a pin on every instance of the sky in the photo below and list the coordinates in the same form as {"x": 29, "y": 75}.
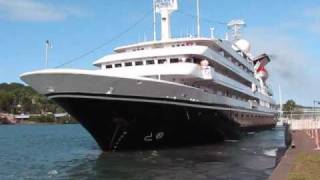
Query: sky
{"x": 82, "y": 31}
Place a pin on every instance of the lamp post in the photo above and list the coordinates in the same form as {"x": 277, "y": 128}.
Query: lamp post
{"x": 316, "y": 132}
{"x": 314, "y": 108}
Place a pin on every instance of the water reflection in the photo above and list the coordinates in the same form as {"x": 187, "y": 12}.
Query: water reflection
{"x": 251, "y": 158}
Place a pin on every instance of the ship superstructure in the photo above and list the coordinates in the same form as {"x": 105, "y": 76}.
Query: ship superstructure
{"x": 167, "y": 92}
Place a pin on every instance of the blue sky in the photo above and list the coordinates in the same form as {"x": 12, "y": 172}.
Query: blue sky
{"x": 287, "y": 29}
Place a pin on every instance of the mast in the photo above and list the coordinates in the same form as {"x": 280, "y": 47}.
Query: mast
{"x": 280, "y": 100}
{"x": 165, "y": 8}
{"x": 198, "y": 18}
{"x": 154, "y": 21}
{"x": 48, "y": 45}
{"x": 211, "y": 32}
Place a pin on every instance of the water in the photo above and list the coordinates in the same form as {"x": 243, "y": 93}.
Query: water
{"x": 68, "y": 152}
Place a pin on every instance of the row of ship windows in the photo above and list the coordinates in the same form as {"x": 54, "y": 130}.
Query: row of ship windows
{"x": 233, "y": 61}
{"x": 248, "y": 116}
{"x": 223, "y": 53}
{"x": 159, "y": 61}
{"x": 173, "y": 45}
{"x": 236, "y": 96}
{"x": 148, "y": 62}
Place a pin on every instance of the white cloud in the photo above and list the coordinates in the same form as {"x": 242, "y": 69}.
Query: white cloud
{"x": 290, "y": 64}
{"x": 32, "y": 10}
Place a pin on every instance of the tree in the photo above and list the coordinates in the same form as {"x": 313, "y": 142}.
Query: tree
{"x": 289, "y": 107}
{"x": 16, "y": 98}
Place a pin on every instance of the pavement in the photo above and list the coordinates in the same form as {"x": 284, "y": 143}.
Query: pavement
{"x": 301, "y": 143}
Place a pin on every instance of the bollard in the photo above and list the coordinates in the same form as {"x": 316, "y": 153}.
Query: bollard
{"x": 317, "y": 141}
{"x": 312, "y": 129}
{"x": 309, "y": 127}
{"x": 317, "y": 137}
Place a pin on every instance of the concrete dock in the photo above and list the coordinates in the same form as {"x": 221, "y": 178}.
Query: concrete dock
{"x": 305, "y": 139}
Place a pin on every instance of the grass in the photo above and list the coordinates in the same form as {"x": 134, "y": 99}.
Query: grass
{"x": 306, "y": 167}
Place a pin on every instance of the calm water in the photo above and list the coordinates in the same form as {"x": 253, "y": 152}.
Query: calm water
{"x": 68, "y": 152}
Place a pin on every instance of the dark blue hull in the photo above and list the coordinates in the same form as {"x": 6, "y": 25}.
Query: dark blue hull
{"x": 128, "y": 125}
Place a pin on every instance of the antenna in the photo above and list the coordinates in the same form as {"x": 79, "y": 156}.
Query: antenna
{"x": 165, "y": 8}
{"x": 198, "y": 18}
{"x": 211, "y": 31}
{"x": 154, "y": 21}
{"x": 235, "y": 26}
{"x": 48, "y": 45}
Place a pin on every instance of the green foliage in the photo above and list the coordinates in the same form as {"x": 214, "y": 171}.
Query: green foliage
{"x": 43, "y": 118}
{"x": 16, "y": 98}
{"x": 66, "y": 120}
{"x": 289, "y": 107}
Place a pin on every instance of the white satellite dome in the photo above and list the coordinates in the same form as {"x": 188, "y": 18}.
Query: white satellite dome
{"x": 243, "y": 45}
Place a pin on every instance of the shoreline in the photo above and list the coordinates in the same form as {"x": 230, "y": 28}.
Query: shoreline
{"x": 26, "y": 122}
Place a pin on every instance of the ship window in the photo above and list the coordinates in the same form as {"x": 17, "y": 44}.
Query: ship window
{"x": 118, "y": 65}
{"x": 162, "y": 61}
{"x": 174, "y": 60}
{"x": 128, "y": 64}
{"x": 189, "y": 43}
{"x": 109, "y": 66}
{"x": 189, "y": 60}
{"x": 139, "y": 63}
{"x": 149, "y": 62}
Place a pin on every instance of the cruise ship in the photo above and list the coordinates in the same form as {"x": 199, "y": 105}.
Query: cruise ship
{"x": 168, "y": 92}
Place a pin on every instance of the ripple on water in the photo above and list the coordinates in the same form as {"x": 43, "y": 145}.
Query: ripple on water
{"x": 69, "y": 152}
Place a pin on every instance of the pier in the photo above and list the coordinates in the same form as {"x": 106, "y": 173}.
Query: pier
{"x": 302, "y": 159}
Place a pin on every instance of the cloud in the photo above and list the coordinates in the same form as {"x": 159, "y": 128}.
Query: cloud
{"x": 32, "y": 10}
{"x": 290, "y": 63}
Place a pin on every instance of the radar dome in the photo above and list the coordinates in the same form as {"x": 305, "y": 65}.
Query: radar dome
{"x": 243, "y": 45}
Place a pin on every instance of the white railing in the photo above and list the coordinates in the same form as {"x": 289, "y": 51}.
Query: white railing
{"x": 311, "y": 126}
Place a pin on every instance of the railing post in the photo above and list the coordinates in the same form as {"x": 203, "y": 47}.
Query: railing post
{"x": 317, "y": 137}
